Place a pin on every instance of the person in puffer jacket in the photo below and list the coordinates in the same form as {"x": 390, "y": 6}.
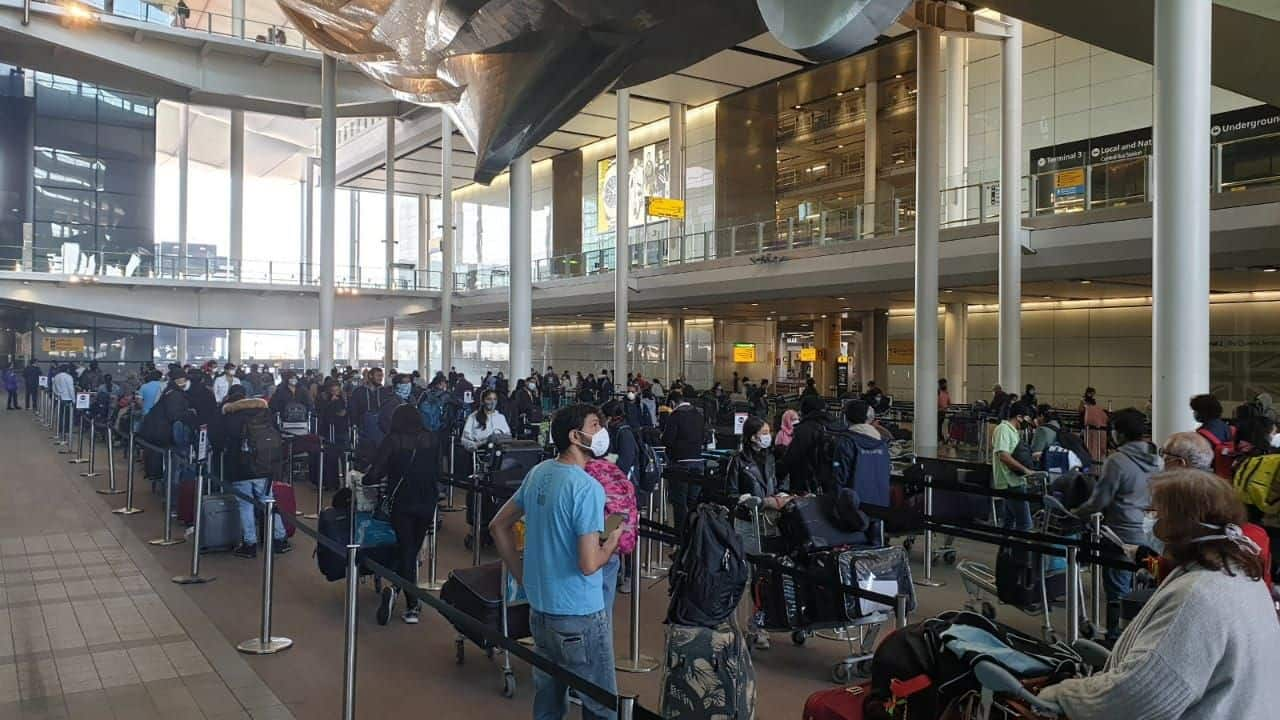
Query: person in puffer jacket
{"x": 619, "y": 499}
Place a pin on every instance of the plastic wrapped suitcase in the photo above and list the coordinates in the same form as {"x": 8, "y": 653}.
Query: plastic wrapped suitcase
{"x": 837, "y": 704}
{"x": 779, "y": 600}
{"x": 883, "y": 570}
{"x": 477, "y": 592}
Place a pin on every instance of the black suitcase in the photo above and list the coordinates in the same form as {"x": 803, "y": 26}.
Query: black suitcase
{"x": 335, "y": 524}
{"x": 808, "y": 524}
{"x": 779, "y": 599}
{"x": 510, "y": 461}
{"x": 477, "y": 592}
{"x": 856, "y": 568}
{"x": 1018, "y": 574}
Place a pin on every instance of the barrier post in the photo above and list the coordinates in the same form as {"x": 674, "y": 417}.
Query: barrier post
{"x": 349, "y": 651}
{"x": 128, "y": 508}
{"x": 111, "y": 488}
{"x": 449, "y": 506}
{"x": 265, "y": 643}
{"x": 93, "y": 449}
{"x": 63, "y": 440}
{"x": 168, "y": 538}
{"x": 432, "y": 584}
{"x": 634, "y": 662}
{"x": 77, "y": 435}
{"x": 659, "y": 568}
{"x": 626, "y": 707}
{"x": 928, "y": 580}
{"x": 194, "y": 578}
{"x": 1073, "y": 594}
{"x": 648, "y": 572}
{"x": 900, "y": 611}
{"x": 1095, "y": 572}
{"x": 477, "y": 517}
{"x": 57, "y": 424}
{"x": 320, "y": 488}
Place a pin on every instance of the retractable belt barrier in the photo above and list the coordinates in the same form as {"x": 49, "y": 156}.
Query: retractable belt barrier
{"x": 626, "y": 706}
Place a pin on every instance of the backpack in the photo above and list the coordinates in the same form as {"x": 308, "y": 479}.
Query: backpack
{"x": 1255, "y": 482}
{"x": 649, "y": 467}
{"x": 1068, "y": 440}
{"x": 710, "y": 570}
{"x": 434, "y": 409}
{"x": 294, "y": 412}
{"x": 369, "y": 428}
{"x": 261, "y": 445}
{"x": 860, "y": 463}
{"x": 1224, "y": 453}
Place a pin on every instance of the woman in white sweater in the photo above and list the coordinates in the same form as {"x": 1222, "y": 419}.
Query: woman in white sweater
{"x": 1207, "y": 644}
{"x": 484, "y": 423}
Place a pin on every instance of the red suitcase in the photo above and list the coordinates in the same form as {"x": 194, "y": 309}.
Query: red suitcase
{"x": 839, "y": 704}
{"x": 286, "y": 505}
{"x": 187, "y": 502}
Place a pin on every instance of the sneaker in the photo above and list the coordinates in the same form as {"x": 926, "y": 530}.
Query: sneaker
{"x": 624, "y": 586}
{"x": 281, "y": 546}
{"x": 761, "y": 641}
{"x": 385, "y": 604}
{"x": 411, "y": 616}
{"x": 246, "y": 550}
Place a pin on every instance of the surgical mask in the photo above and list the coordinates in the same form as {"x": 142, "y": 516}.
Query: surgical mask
{"x": 403, "y": 390}
{"x": 183, "y": 384}
{"x": 1149, "y": 533}
{"x": 631, "y": 396}
{"x": 532, "y": 386}
{"x": 764, "y": 441}
{"x": 599, "y": 446}
{"x": 490, "y": 405}
{"x": 293, "y": 382}
{"x": 1275, "y": 440}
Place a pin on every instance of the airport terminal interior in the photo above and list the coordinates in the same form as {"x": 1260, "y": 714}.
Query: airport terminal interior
{"x": 1060, "y": 220}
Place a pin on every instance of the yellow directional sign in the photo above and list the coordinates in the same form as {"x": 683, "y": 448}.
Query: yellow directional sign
{"x": 63, "y": 344}
{"x": 664, "y": 207}
{"x": 808, "y": 354}
{"x": 744, "y": 352}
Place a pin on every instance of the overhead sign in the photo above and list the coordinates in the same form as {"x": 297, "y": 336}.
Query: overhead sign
{"x": 808, "y": 354}
{"x": 202, "y": 452}
{"x": 843, "y": 360}
{"x": 744, "y": 352}
{"x": 62, "y": 344}
{"x": 664, "y": 207}
{"x": 1068, "y": 184}
{"x": 82, "y": 401}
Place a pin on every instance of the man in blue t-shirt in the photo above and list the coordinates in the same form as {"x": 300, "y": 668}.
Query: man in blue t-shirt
{"x": 565, "y": 548}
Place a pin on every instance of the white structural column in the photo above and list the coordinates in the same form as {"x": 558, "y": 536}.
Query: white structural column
{"x": 308, "y": 222}
{"x": 521, "y": 284}
{"x": 1009, "y": 336}
{"x": 446, "y": 242}
{"x": 184, "y": 167}
{"x": 1180, "y": 256}
{"x": 928, "y": 205}
{"x": 957, "y": 202}
{"x": 675, "y": 349}
{"x": 622, "y": 250}
{"x": 389, "y": 346}
{"x": 237, "y": 18}
{"x": 677, "y": 121}
{"x": 870, "y": 152}
{"x": 955, "y": 341}
{"x": 390, "y": 198}
{"x": 422, "y": 277}
{"x": 328, "y": 196}
{"x": 235, "y": 163}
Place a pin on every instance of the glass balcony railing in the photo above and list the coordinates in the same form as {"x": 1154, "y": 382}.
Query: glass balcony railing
{"x": 266, "y": 31}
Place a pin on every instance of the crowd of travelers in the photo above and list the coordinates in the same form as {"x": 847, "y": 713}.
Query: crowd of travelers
{"x": 1183, "y": 508}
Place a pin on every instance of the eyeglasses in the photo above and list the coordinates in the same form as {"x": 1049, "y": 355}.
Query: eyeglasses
{"x": 1174, "y": 456}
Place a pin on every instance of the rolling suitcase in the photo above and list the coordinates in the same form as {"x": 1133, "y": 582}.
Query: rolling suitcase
{"x": 708, "y": 674}
{"x": 286, "y": 505}
{"x": 187, "y": 502}
{"x": 477, "y": 592}
{"x": 808, "y": 524}
{"x": 779, "y": 603}
{"x": 838, "y": 704}
{"x": 219, "y": 523}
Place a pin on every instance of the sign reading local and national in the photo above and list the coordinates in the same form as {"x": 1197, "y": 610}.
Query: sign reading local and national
{"x": 1223, "y": 127}
{"x": 664, "y": 208}
{"x": 744, "y": 352}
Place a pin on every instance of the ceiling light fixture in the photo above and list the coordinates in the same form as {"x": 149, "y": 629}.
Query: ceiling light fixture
{"x": 840, "y": 94}
{"x": 1086, "y": 282}
{"x": 797, "y": 107}
{"x": 755, "y": 304}
{"x": 898, "y": 76}
{"x": 1269, "y": 269}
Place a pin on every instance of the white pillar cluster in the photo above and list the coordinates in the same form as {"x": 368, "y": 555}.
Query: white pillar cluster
{"x": 928, "y": 218}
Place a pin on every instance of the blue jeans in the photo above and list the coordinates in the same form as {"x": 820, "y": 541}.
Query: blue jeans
{"x": 249, "y": 513}
{"x": 610, "y": 572}
{"x": 1016, "y": 515}
{"x": 1116, "y": 584}
{"x": 581, "y": 644}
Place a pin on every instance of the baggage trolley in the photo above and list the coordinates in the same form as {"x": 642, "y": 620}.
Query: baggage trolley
{"x": 480, "y": 592}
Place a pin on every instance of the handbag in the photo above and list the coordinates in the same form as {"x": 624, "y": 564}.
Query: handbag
{"x": 387, "y": 502}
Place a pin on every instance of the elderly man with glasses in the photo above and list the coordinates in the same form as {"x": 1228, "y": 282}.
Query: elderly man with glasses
{"x": 1189, "y": 450}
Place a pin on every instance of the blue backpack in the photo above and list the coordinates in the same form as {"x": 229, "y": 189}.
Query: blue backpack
{"x": 434, "y": 408}
{"x": 861, "y": 462}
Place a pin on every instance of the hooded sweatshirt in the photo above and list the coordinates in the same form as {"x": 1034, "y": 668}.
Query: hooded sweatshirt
{"x": 1121, "y": 494}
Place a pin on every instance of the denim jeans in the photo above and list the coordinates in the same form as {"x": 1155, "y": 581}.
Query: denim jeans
{"x": 581, "y": 644}
{"x": 1016, "y": 515}
{"x": 610, "y": 572}
{"x": 1116, "y": 584}
{"x": 249, "y": 512}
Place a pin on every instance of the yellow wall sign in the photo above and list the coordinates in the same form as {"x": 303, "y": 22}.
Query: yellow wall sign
{"x": 744, "y": 352}
{"x": 664, "y": 207}
{"x": 62, "y": 344}
{"x": 1068, "y": 178}
{"x": 843, "y": 360}
{"x": 808, "y": 354}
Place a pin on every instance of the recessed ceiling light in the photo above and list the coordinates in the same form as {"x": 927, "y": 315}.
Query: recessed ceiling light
{"x": 755, "y": 304}
{"x": 684, "y": 308}
{"x": 1047, "y": 297}
{"x": 1086, "y": 282}
{"x": 848, "y": 308}
{"x": 1269, "y": 269}
{"x": 840, "y": 94}
{"x": 948, "y": 290}
{"x": 898, "y": 76}
{"x": 838, "y": 147}
{"x": 824, "y": 317}
{"x": 840, "y": 298}
{"x": 797, "y": 107}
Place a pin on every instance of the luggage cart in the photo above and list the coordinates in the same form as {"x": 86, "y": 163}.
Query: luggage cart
{"x": 480, "y": 592}
{"x": 980, "y": 579}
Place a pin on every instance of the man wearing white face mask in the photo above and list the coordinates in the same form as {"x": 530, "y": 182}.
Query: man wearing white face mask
{"x": 565, "y": 549}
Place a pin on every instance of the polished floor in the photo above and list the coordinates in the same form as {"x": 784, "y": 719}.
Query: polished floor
{"x": 95, "y": 628}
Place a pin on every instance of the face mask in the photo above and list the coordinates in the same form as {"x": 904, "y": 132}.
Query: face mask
{"x": 764, "y": 441}
{"x": 1275, "y": 440}
{"x": 490, "y": 405}
{"x": 599, "y": 446}
{"x": 1149, "y": 533}
{"x": 402, "y": 390}
{"x": 532, "y": 386}
{"x": 293, "y": 382}
{"x": 183, "y": 385}
{"x": 631, "y": 396}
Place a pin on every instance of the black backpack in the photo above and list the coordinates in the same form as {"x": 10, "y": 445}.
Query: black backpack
{"x": 1073, "y": 442}
{"x": 262, "y": 445}
{"x": 648, "y": 470}
{"x": 710, "y": 570}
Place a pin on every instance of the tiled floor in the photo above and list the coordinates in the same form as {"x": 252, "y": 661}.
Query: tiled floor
{"x": 85, "y": 634}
